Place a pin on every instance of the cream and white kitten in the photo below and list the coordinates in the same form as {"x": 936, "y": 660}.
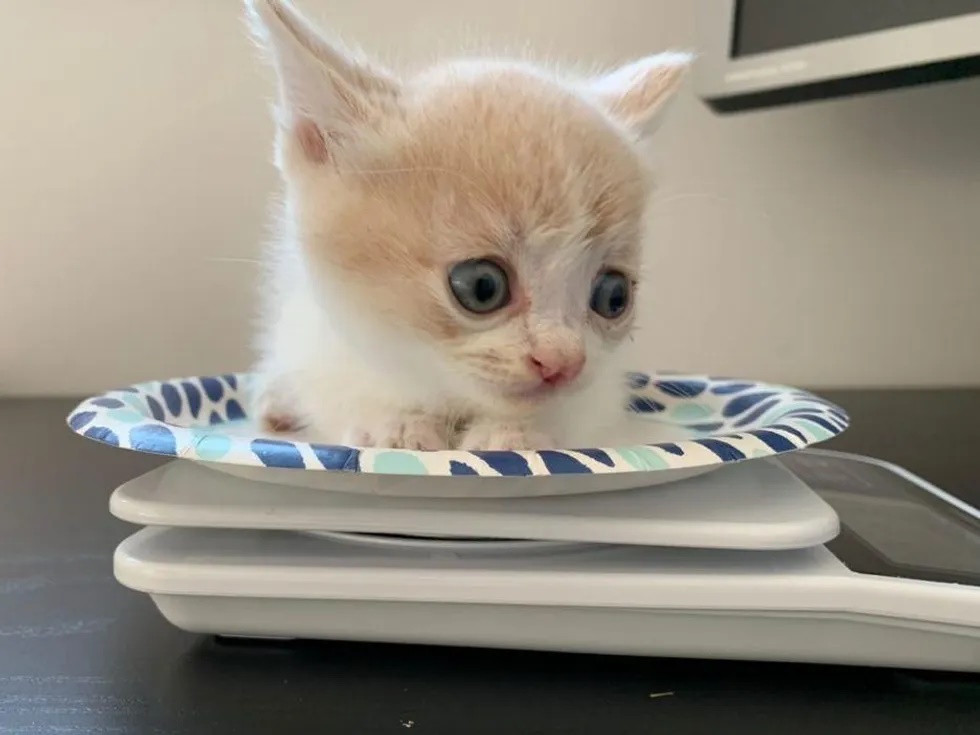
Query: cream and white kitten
{"x": 459, "y": 251}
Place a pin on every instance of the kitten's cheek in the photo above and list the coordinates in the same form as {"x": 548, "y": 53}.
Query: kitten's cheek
{"x": 613, "y": 335}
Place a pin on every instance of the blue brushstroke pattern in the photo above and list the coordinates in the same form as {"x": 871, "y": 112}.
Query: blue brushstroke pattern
{"x": 726, "y": 452}
{"x": 171, "y": 397}
{"x": 819, "y": 421}
{"x": 706, "y": 428}
{"x": 156, "y": 410}
{"x": 642, "y": 404}
{"x": 78, "y": 420}
{"x": 731, "y": 388}
{"x": 460, "y": 468}
{"x": 559, "y": 463}
{"x": 193, "y": 394}
{"x": 790, "y": 430}
{"x": 234, "y": 410}
{"x": 510, "y": 464}
{"x": 153, "y": 438}
{"x": 276, "y": 453}
{"x": 638, "y": 380}
{"x": 336, "y": 457}
{"x": 776, "y": 442}
{"x": 108, "y": 402}
{"x": 103, "y": 434}
{"x": 213, "y": 388}
{"x": 682, "y": 388}
{"x": 756, "y": 413}
{"x": 744, "y": 402}
{"x": 598, "y": 455}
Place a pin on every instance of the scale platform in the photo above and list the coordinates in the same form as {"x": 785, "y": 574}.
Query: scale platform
{"x": 818, "y": 557}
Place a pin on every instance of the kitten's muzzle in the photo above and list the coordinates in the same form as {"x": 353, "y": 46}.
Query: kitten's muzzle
{"x": 556, "y": 368}
{"x": 546, "y": 372}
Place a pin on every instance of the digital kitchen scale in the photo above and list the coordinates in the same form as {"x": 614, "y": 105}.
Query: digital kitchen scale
{"x": 816, "y": 556}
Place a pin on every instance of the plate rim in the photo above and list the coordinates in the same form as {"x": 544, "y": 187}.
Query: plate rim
{"x": 808, "y": 420}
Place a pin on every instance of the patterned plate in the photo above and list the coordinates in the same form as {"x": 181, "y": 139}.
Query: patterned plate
{"x": 721, "y": 420}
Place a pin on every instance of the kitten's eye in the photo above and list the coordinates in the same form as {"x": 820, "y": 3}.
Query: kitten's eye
{"x": 479, "y": 285}
{"x": 610, "y": 295}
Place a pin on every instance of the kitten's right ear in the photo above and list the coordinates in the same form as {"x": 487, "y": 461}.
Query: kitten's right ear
{"x": 325, "y": 93}
{"x": 636, "y": 94}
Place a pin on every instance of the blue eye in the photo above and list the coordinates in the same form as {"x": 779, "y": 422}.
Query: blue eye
{"x": 610, "y": 295}
{"x": 479, "y": 285}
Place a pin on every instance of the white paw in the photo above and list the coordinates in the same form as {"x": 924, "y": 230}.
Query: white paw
{"x": 492, "y": 435}
{"x": 274, "y": 412}
{"x": 406, "y": 431}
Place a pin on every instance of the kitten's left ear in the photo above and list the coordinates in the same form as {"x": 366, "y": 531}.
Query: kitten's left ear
{"x": 327, "y": 96}
{"x": 637, "y": 93}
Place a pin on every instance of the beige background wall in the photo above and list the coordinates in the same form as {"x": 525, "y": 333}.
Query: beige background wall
{"x": 829, "y": 244}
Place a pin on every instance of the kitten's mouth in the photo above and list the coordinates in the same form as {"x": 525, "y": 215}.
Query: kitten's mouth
{"x": 537, "y": 392}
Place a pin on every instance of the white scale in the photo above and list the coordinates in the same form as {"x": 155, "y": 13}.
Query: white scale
{"x": 843, "y": 560}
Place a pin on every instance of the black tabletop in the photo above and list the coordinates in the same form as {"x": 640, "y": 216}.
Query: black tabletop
{"x": 81, "y": 654}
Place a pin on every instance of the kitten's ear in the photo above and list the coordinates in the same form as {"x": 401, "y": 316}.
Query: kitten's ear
{"x": 325, "y": 93}
{"x": 637, "y": 93}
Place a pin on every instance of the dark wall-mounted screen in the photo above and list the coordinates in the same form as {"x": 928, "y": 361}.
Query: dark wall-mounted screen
{"x": 772, "y": 25}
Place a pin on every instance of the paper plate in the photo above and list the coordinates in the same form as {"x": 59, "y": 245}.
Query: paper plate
{"x": 724, "y": 421}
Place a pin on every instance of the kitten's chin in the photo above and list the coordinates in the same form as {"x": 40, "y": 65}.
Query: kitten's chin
{"x": 525, "y": 399}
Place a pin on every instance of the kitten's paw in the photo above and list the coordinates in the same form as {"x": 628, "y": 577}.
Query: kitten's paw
{"x": 275, "y": 415}
{"x": 280, "y": 423}
{"x": 407, "y": 431}
{"x": 492, "y": 435}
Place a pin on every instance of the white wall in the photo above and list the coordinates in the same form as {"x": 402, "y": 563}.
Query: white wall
{"x": 829, "y": 244}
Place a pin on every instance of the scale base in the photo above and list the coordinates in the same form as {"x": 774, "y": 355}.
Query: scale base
{"x": 843, "y": 639}
{"x": 729, "y": 566}
{"x": 800, "y": 605}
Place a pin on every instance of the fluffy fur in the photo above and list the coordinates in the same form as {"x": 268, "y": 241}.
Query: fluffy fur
{"x": 391, "y": 181}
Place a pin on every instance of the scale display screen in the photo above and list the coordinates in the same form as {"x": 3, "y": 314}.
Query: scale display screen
{"x": 891, "y": 525}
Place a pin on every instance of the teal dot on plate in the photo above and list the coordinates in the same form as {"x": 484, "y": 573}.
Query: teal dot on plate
{"x": 399, "y": 463}
{"x": 126, "y": 416}
{"x": 212, "y": 447}
{"x": 690, "y": 412}
{"x": 643, "y": 458}
{"x": 137, "y": 403}
{"x": 818, "y": 433}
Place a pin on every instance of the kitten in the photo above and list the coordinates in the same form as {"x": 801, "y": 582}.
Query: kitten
{"x": 459, "y": 250}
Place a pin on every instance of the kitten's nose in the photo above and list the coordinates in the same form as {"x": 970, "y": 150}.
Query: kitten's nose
{"x": 557, "y": 368}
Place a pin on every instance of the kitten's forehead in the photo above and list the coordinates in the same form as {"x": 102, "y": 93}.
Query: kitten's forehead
{"x": 503, "y": 164}
{"x": 512, "y": 144}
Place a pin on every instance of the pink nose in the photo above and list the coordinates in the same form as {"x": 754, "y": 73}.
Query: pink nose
{"x": 555, "y": 368}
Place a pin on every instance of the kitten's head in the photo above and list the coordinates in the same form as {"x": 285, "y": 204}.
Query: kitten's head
{"x": 488, "y": 210}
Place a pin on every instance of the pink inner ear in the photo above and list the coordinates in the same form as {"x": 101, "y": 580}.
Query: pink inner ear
{"x": 312, "y": 142}
{"x": 647, "y": 93}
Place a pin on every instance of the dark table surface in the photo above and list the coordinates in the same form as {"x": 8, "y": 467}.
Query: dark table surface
{"x": 81, "y": 654}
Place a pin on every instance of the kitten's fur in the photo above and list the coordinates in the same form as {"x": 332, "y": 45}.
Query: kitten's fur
{"x": 391, "y": 181}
